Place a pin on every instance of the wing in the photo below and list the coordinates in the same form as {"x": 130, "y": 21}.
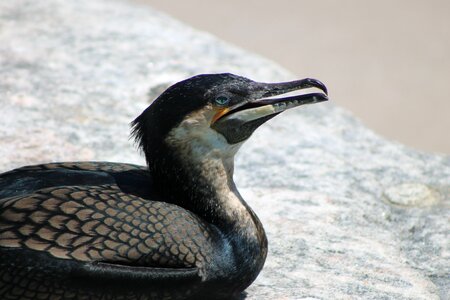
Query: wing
{"x": 103, "y": 224}
{"x": 103, "y": 229}
{"x": 91, "y": 230}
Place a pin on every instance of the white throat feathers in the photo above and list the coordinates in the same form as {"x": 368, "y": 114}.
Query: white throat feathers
{"x": 197, "y": 144}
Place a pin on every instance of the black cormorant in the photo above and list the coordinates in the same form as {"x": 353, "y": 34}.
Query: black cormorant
{"x": 175, "y": 229}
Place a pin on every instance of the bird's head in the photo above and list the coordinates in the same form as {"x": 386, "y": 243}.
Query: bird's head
{"x": 211, "y": 115}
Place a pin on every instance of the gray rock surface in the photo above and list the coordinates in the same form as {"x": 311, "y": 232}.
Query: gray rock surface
{"x": 348, "y": 214}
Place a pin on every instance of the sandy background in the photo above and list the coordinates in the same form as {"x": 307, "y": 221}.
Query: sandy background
{"x": 386, "y": 61}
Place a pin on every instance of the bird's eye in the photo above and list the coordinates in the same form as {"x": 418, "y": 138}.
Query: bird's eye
{"x": 222, "y": 100}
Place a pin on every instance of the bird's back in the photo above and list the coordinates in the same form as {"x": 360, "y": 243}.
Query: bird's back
{"x": 96, "y": 230}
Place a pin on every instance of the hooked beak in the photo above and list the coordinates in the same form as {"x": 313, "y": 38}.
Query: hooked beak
{"x": 240, "y": 121}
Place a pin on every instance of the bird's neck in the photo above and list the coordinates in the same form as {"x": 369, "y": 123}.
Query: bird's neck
{"x": 215, "y": 190}
{"x": 204, "y": 185}
{"x": 194, "y": 169}
{"x": 196, "y": 172}
{"x": 204, "y": 164}
{"x": 206, "y": 188}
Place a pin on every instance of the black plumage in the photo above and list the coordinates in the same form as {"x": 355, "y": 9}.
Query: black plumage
{"x": 176, "y": 229}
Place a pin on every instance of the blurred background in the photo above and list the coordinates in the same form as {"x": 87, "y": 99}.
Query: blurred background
{"x": 386, "y": 61}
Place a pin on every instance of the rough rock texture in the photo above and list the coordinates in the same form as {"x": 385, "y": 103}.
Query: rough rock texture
{"x": 348, "y": 214}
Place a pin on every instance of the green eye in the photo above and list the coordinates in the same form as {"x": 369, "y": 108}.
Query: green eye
{"x": 222, "y": 100}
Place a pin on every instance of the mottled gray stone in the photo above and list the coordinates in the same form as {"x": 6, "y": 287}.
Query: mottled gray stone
{"x": 341, "y": 222}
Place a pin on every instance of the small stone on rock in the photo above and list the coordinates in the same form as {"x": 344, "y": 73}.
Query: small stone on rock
{"x": 412, "y": 194}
